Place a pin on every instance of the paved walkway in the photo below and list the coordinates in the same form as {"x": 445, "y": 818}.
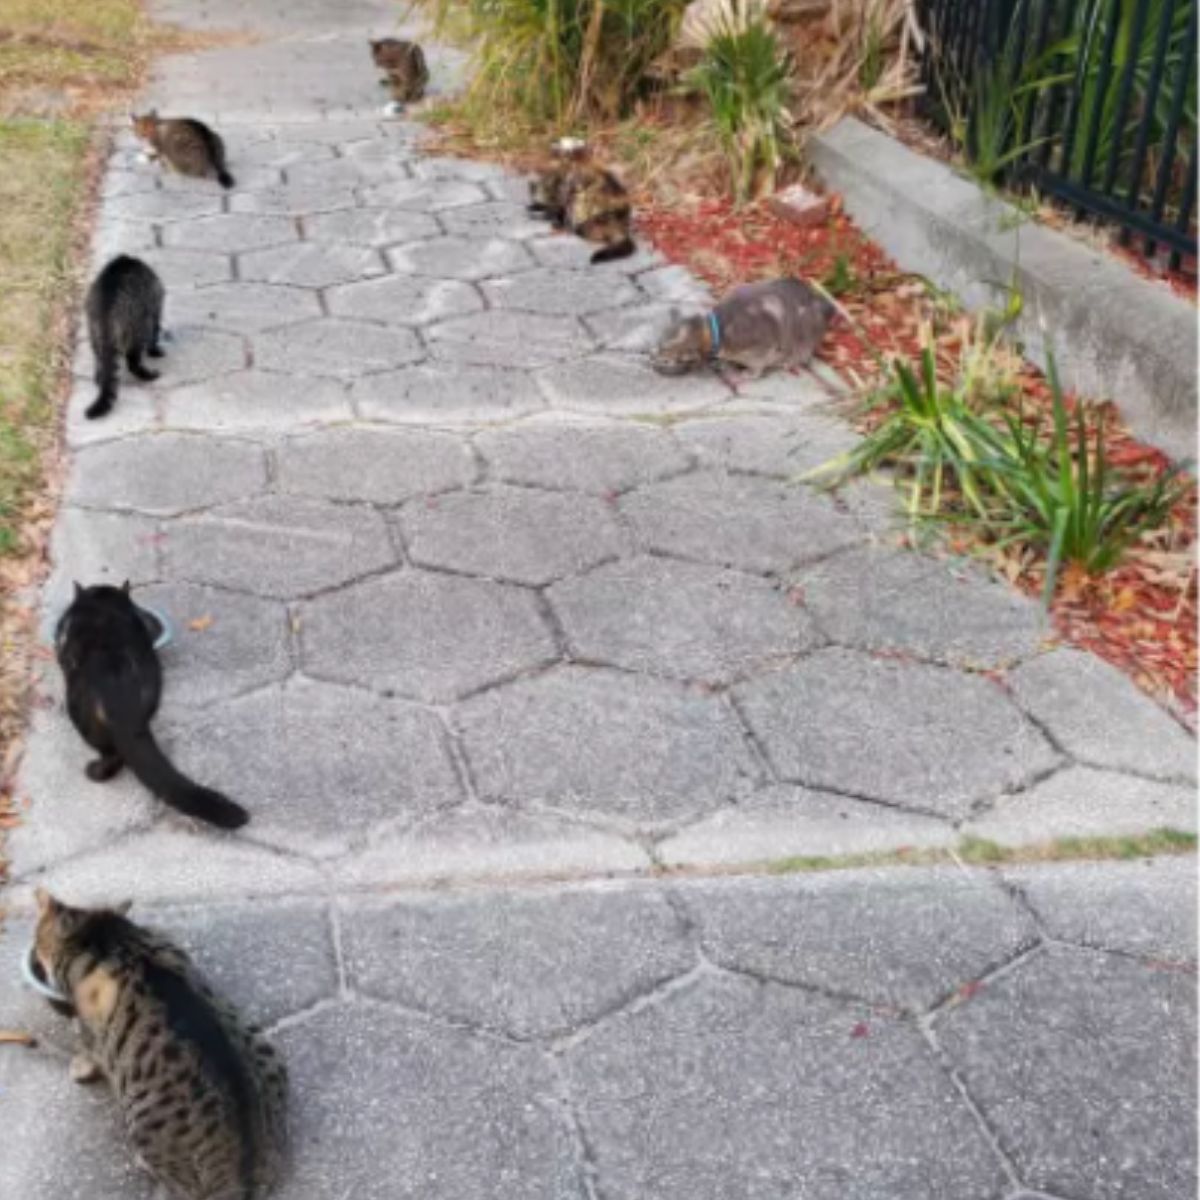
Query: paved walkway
{"x": 468, "y": 597}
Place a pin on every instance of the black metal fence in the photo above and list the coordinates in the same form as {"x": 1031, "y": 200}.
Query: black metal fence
{"x": 1092, "y": 102}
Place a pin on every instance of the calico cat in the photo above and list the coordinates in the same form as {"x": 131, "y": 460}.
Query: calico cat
{"x": 203, "y": 1097}
{"x": 587, "y": 199}
{"x": 404, "y": 68}
{"x": 775, "y": 323}
{"x": 124, "y": 314}
{"x": 114, "y": 682}
{"x": 185, "y": 144}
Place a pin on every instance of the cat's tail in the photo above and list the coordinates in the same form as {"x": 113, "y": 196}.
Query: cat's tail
{"x": 622, "y": 249}
{"x": 146, "y": 760}
{"x": 224, "y": 178}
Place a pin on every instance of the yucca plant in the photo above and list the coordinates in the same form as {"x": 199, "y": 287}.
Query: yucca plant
{"x": 1060, "y": 496}
{"x": 744, "y": 74}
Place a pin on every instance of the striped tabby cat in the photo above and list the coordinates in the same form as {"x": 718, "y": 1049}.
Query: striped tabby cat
{"x": 184, "y": 144}
{"x": 203, "y": 1097}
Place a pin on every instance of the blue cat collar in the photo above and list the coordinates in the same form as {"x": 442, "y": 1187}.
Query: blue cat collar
{"x": 714, "y": 328}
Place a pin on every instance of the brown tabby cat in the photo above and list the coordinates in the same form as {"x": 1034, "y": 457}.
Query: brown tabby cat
{"x": 404, "y": 68}
{"x": 590, "y": 201}
{"x": 185, "y": 144}
{"x": 203, "y": 1097}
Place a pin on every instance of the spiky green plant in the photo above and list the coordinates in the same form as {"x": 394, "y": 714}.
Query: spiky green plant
{"x": 744, "y": 74}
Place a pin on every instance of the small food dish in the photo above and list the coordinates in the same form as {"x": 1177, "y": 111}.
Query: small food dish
{"x": 157, "y": 625}
{"x": 35, "y": 978}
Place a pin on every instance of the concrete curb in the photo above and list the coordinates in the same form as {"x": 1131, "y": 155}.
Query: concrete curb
{"x": 1116, "y": 336}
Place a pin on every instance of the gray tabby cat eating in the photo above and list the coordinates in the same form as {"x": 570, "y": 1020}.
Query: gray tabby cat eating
{"x": 758, "y": 326}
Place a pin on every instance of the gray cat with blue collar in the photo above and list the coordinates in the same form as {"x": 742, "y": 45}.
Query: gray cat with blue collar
{"x": 758, "y": 326}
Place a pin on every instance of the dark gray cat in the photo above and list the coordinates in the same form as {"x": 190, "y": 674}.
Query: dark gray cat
{"x": 758, "y": 326}
{"x": 124, "y": 313}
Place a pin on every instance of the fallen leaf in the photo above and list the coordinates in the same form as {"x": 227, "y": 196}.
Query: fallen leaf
{"x": 861, "y": 1030}
{"x": 200, "y": 624}
{"x": 16, "y": 1037}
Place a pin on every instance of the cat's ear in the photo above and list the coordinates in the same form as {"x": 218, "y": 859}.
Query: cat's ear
{"x": 122, "y": 909}
{"x": 78, "y": 589}
{"x": 46, "y": 903}
{"x": 125, "y": 587}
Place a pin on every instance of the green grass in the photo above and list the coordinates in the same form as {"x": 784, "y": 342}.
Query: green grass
{"x": 40, "y": 189}
{"x": 982, "y": 852}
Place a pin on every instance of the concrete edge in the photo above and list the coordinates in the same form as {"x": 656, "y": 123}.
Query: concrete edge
{"x": 1115, "y": 335}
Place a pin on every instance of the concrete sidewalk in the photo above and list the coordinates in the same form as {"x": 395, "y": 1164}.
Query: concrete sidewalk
{"x": 487, "y": 624}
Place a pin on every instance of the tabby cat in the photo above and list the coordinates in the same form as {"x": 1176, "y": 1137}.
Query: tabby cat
{"x": 587, "y": 199}
{"x": 203, "y": 1097}
{"x": 114, "y": 682}
{"x": 185, "y": 144}
{"x": 124, "y": 314}
{"x": 774, "y": 323}
{"x": 404, "y": 68}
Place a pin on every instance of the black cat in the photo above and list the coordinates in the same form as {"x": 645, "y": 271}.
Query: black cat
{"x": 114, "y": 682}
{"x": 124, "y": 312}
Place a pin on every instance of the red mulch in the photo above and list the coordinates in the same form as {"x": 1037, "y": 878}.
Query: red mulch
{"x": 1143, "y": 616}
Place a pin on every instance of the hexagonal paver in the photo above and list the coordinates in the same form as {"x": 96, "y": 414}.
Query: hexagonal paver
{"x": 459, "y": 168}
{"x": 167, "y": 473}
{"x": 530, "y": 965}
{"x": 497, "y": 217}
{"x": 634, "y": 329}
{"x": 903, "y": 733}
{"x": 226, "y": 942}
{"x": 586, "y": 741}
{"x": 194, "y": 353}
{"x": 251, "y": 400}
{"x": 703, "y": 1096}
{"x": 343, "y": 349}
{"x": 1081, "y": 802}
{"x": 404, "y": 300}
{"x": 319, "y": 766}
{"x": 431, "y": 637}
{"x": 904, "y": 938}
{"x": 681, "y": 620}
{"x": 618, "y": 386}
{"x": 311, "y": 264}
{"x": 162, "y": 207}
{"x": 461, "y": 258}
{"x": 581, "y": 457}
{"x": 370, "y": 226}
{"x": 293, "y": 199}
{"x": 508, "y": 339}
{"x": 344, "y": 173}
{"x": 675, "y": 285}
{"x": 549, "y": 291}
{"x": 1084, "y": 1064}
{"x": 231, "y": 233}
{"x": 410, "y": 1144}
{"x": 223, "y": 643}
{"x": 423, "y": 195}
{"x": 755, "y": 524}
{"x": 910, "y": 604}
{"x": 282, "y": 546}
{"x": 1146, "y": 907}
{"x": 787, "y": 445}
{"x": 285, "y": 152}
{"x": 440, "y": 393}
{"x": 515, "y": 534}
{"x": 180, "y": 269}
{"x": 242, "y": 306}
{"x": 1098, "y": 715}
{"x": 374, "y": 465}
